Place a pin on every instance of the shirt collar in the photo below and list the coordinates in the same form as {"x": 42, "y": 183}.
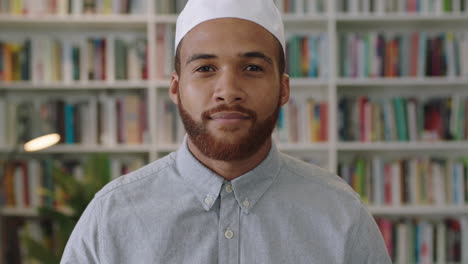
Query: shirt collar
{"x": 248, "y": 188}
{"x": 205, "y": 183}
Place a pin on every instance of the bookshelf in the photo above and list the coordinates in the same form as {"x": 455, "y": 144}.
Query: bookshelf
{"x": 156, "y": 24}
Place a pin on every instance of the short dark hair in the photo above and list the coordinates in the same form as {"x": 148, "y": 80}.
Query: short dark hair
{"x": 281, "y": 58}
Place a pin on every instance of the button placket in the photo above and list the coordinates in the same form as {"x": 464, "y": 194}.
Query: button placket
{"x": 228, "y": 226}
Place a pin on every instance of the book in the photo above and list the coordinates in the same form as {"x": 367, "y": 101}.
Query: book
{"x": 3, "y": 122}
{"x": 302, "y": 120}
{"x": 308, "y": 55}
{"x": 15, "y": 60}
{"x": 130, "y": 56}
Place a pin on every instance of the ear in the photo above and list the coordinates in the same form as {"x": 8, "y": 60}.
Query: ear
{"x": 284, "y": 90}
{"x": 174, "y": 88}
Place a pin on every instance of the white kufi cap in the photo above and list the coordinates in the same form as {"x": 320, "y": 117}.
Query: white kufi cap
{"x": 262, "y": 12}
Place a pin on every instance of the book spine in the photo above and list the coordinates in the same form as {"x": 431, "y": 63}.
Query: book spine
{"x": 3, "y": 122}
{"x": 19, "y": 190}
{"x": 69, "y": 123}
{"x": 378, "y": 184}
{"x": 34, "y": 183}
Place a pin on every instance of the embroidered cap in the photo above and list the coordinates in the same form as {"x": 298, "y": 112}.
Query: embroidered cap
{"x": 261, "y": 12}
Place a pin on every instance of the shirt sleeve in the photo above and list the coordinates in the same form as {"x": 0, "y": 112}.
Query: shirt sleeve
{"x": 366, "y": 242}
{"x": 83, "y": 244}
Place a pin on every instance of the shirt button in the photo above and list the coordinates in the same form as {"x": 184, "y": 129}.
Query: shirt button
{"x": 228, "y": 188}
{"x": 246, "y": 203}
{"x": 229, "y": 234}
{"x": 208, "y": 200}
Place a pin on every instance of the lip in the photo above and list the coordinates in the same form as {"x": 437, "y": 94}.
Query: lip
{"x": 229, "y": 116}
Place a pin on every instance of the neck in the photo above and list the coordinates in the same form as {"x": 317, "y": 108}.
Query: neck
{"x": 230, "y": 170}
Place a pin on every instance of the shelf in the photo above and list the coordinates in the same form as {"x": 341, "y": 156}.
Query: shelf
{"x": 72, "y": 149}
{"x": 27, "y": 212}
{"x": 401, "y": 17}
{"x": 166, "y": 19}
{"x": 448, "y": 210}
{"x": 167, "y": 147}
{"x": 287, "y": 18}
{"x": 403, "y": 81}
{"x": 19, "y": 212}
{"x": 304, "y": 18}
{"x": 90, "y": 85}
{"x": 401, "y": 146}
{"x": 162, "y": 84}
{"x": 74, "y": 21}
{"x": 308, "y": 82}
{"x": 293, "y": 147}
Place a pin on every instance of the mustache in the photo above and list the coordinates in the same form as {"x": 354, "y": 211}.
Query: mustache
{"x": 235, "y": 108}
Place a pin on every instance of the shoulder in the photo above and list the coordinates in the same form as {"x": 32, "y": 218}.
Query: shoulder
{"x": 140, "y": 177}
{"x": 312, "y": 176}
{"x": 317, "y": 193}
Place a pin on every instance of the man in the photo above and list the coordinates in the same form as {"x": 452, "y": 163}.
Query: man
{"x": 227, "y": 195}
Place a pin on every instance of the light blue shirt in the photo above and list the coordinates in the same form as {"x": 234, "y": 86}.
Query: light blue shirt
{"x": 175, "y": 210}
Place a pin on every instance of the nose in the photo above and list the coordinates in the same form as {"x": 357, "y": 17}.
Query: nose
{"x": 228, "y": 89}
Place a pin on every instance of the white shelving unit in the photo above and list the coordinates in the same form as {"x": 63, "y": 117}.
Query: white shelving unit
{"x": 330, "y": 22}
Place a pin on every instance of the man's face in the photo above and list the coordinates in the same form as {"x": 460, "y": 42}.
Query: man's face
{"x": 229, "y": 89}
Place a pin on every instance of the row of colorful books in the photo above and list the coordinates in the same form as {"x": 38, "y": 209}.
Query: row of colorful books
{"x": 308, "y": 55}
{"x": 417, "y": 54}
{"x": 302, "y": 120}
{"x": 402, "y": 6}
{"x": 68, "y": 59}
{"x": 131, "y": 59}
{"x": 411, "y": 181}
{"x": 76, "y": 7}
{"x": 30, "y": 183}
{"x": 25, "y": 119}
{"x": 15, "y": 61}
{"x": 300, "y": 7}
{"x": 86, "y": 120}
{"x": 423, "y": 240}
{"x": 403, "y": 119}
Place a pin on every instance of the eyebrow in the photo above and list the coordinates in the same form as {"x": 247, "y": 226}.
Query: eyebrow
{"x": 251, "y": 54}
{"x": 258, "y": 54}
{"x": 200, "y": 56}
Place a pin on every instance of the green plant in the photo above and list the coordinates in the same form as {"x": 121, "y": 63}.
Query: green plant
{"x": 78, "y": 194}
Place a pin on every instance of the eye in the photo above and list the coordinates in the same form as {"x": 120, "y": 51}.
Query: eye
{"x": 205, "y": 68}
{"x": 254, "y": 68}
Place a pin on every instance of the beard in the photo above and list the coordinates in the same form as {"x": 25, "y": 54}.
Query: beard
{"x": 224, "y": 149}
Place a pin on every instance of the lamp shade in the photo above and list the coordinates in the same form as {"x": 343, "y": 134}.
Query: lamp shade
{"x": 42, "y": 142}
{"x": 35, "y": 125}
